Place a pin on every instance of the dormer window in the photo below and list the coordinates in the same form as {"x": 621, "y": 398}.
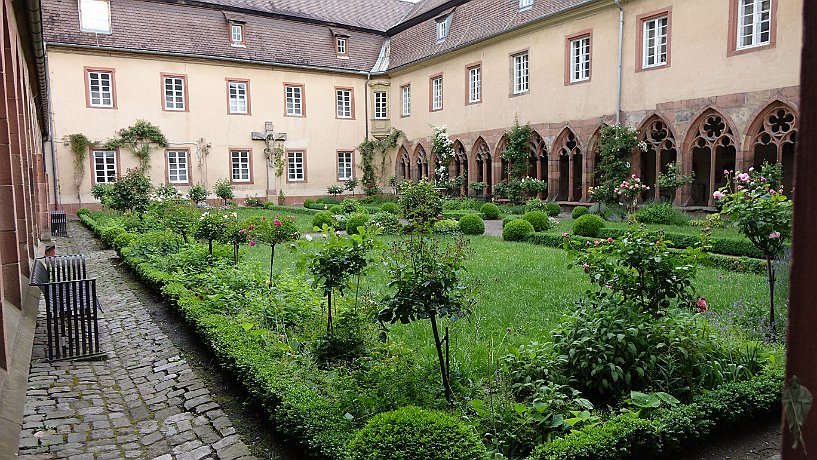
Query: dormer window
{"x": 236, "y": 34}
{"x": 341, "y": 46}
{"x": 443, "y": 26}
{"x": 525, "y": 5}
{"x": 95, "y": 16}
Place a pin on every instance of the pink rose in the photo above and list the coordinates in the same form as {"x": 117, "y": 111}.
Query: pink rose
{"x": 702, "y": 305}
{"x": 718, "y": 195}
{"x": 565, "y": 235}
{"x": 743, "y": 177}
{"x": 277, "y": 223}
{"x": 596, "y": 242}
{"x": 252, "y": 242}
{"x": 725, "y": 172}
{"x": 585, "y": 266}
{"x": 610, "y": 240}
{"x": 774, "y": 235}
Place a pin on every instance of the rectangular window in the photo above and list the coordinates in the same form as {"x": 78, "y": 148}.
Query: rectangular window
{"x": 655, "y": 42}
{"x": 104, "y": 166}
{"x": 295, "y": 166}
{"x": 436, "y": 93}
{"x": 100, "y": 89}
{"x": 525, "y": 4}
{"x": 177, "y": 167}
{"x": 474, "y": 84}
{"x": 294, "y": 101}
{"x": 341, "y": 46}
{"x": 236, "y": 34}
{"x": 406, "y": 90}
{"x": 345, "y": 165}
{"x": 238, "y": 95}
{"x": 580, "y": 59}
{"x": 754, "y": 23}
{"x": 443, "y": 26}
{"x": 95, "y": 16}
{"x": 344, "y": 99}
{"x": 174, "y": 91}
{"x": 240, "y": 165}
{"x": 381, "y": 111}
{"x": 520, "y": 73}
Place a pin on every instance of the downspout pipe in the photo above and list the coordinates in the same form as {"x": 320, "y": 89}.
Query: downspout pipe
{"x": 366, "y": 102}
{"x": 620, "y": 58}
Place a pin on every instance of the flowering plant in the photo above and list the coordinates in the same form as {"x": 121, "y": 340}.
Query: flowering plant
{"x": 443, "y": 150}
{"x": 272, "y": 232}
{"x": 628, "y": 191}
{"x": 755, "y": 202}
{"x": 615, "y": 146}
{"x": 236, "y": 233}
{"x": 212, "y": 226}
{"x": 533, "y": 186}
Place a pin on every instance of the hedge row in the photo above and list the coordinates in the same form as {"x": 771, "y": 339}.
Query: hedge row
{"x": 671, "y": 430}
{"x": 738, "y": 264}
{"x": 297, "y": 410}
{"x": 740, "y": 247}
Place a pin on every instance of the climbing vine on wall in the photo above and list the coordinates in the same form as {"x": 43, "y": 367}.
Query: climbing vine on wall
{"x": 79, "y": 145}
{"x": 370, "y": 151}
{"x": 139, "y": 139}
{"x": 517, "y": 151}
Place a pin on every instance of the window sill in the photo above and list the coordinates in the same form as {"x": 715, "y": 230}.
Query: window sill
{"x": 521, "y": 93}
{"x": 750, "y": 49}
{"x": 577, "y": 82}
{"x": 654, "y": 67}
{"x": 236, "y": 45}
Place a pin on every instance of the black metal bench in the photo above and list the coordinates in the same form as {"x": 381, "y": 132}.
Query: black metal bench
{"x": 71, "y": 307}
{"x": 59, "y": 223}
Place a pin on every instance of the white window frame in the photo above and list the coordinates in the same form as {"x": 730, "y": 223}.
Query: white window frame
{"x": 381, "y": 105}
{"x": 406, "y": 95}
{"x": 443, "y": 27}
{"x": 750, "y": 25}
{"x": 344, "y": 103}
{"x": 296, "y": 166}
{"x": 525, "y": 5}
{"x": 236, "y": 34}
{"x": 178, "y": 166}
{"x": 346, "y": 165}
{"x": 437, "y": 93}
{"x": 580, "y": 59}
{"x": 175, "y": 95}
{"x": 294, "y": 100}
{"x": 521, "y": 73}
{"x": 238, "y": 95}
{"x": 475, "y": 84}
{"x": 240, "y": 166}
{"x": 108, "y": 172}
{"x": 341, "y": 46}
{"x": 95, "y": 16}
{"x": 655, "y": 41}
{"x": 102, "y": 92}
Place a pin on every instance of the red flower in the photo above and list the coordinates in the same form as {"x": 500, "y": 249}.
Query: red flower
{"x": 702, "y": 305}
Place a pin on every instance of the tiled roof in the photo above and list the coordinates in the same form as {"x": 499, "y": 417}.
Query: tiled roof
{"x": 424, "y": 6}
{"x": 472, "y": 21}
{"x": 194, "y": 30}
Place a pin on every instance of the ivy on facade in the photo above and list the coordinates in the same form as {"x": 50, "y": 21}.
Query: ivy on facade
{"x": 370, "y": 151}
{"x": 79, "y": 145}
{"x": 139, "y": 139}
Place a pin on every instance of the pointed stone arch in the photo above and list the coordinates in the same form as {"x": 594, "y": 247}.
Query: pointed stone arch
{"x": 662, "y": 149}
{"x": 482, "y": 165}
{"x": 502, "y": 167}
{"x": 569, "y": 167}
{"x": 772, "y": 137}
{"x": 421, "y": 166}
{"x": 710, "y": 148}
{"x": 459, "y": 166}
{"x": 403, "y": 164}
{"x": 591, "y": 157}
{"x": 538, "y": 158}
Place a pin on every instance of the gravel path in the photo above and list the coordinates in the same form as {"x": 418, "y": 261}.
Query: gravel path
{"x": 143, "y": 401}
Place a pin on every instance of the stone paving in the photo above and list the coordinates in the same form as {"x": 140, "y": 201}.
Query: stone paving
{"x": 143, "y": 401}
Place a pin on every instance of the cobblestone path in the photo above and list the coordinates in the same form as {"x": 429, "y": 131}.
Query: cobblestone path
{"x": 144, "y": 401}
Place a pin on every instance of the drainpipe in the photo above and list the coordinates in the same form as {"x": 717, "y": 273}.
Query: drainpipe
{"x": 620, "y": 48}
{"x": 366, "y": 102}
{"x": 50, "y": 121}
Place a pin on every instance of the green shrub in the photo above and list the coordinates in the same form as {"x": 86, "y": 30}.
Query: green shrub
{"x": 624, "y": 436}
{"x": 588, "y": 225}
{"x": 390, "y": 207}
{"x": 457, "y": 214}
{"x": 324, "y": 218}
{"x": 507, "y": 219}
{"x": 336, "y": 209}
{"x": 109, "y": 234}
{"x": 578, "y": 211}
{"x": 447, "y": 227}
{"x": 535, "y": 204}
{"x": 123, "y": 240}
{"x": 410, "y": 433}
{"x": 270, "y": 205}
{"x": 308, "y": 203}
{"x": 386, "y": 222}
{"x": 421, "y": 204}
{"x": 350, "y": 205}
{"x": 517, "y": 230}
{"x": 490, "y": 211}
{"x": 661, "y": 213}
{"x": 472, "y": 224}
{"x": 82, "y": 211}
{"x": 197, "y": 193}
{"x": 456, "y": 204}
{"x": 357, "y": 219}
{"x": 553, "y": 209}
{"x": 538, "y": 219}
{"x": 224, "y": 190}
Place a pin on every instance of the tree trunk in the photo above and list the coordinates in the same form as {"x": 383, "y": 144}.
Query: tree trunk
{"x": 210, "y": 246}
{"x": 271, "y": 262}
{"x": 235, "y": 254}
{"x": 772, "y": 320}
{"x": 443, "y": 370}
{"x": 329, "y": 315}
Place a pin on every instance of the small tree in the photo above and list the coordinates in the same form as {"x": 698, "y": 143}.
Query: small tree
{"x": 615, "y": 145}
{"x": 197, "y": 193}
{"x": 212, "y": 226}
{"x": 236, "y": 233}
{"x": 628, "y": 192}
{"x": 421, "y": 204}
{"x": 517, "y": 151}
{"x": 224, "y": 190}
{"x": 351, "y": 185}
{"x": 755, "y": 202}
{"x": 334, "y": 190}
{"x": 139, "y": 139}
{"x": 442, "y": 148}
{"x": 181, "y": 218}
{"x": 272, "y": 232}
{"x": 130, "y": 193}
{"x": 674, "y": 179}
{"x": 424, "y": 280}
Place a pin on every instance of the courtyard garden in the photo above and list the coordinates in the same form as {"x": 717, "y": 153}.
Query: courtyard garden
{"x": 392, "y": 326}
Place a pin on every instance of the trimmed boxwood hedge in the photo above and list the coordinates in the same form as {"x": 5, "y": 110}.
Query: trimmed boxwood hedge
{"x": 741, "y": 247}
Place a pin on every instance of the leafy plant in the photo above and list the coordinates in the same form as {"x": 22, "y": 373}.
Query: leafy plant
{"x": 538, "y": 219}
{"x": 197, "y": 193}
{"x": 517, "y": 230}
{"x": 369, "y": 150}
{"x": 478, "y": 187}
{"x": 674, "y": 179}
{"x": 490, "y": 211}
{"x": 553, "y": 209}
{"x": 442, "y": 148}
{"x": 661, "y": 213}
{"x": 224, "y": 190}
{"x": 421, "y": 203}
{"x": 79, "y": 145}
{"x": 517, "y": 150}
{"x": 211, "y": 227}
{"x": 472, "y": 224}
{"x": 130, "y": 193}
{"x": 615, "y": 145}
{"x": 588, "y": 225}
{"x": 351, "y": 185}
{"x": 273, "y": 232}
{"x": 334, "y": 190}
{"x": 578, "y": 211}
{"x": 139, "y": 139}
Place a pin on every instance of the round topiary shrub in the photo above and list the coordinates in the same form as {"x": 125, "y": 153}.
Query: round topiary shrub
{"x": 123, "y": 240}
{"x": 472, "y": 224}
{"x": 578, "y": 211}
{"x": 553, "y": 209}
{"x": 411, "y": 433}
{"x": 490, "y": 211}
{"x": 357, "y": 219}
{"x": 308, "y": 203}
{"x": 538, "y": 219}
{"x": 661, "y": 213}
{"x": 588, "y": 225}
{"x": 82, "y": 211}
{"x": 446, "y": 227}
{"x": 390, "y": 207}
{"x": 386, "y": 222}
{"x": 109, "y": 234}
{"x": 336, "y": 209}
{"x": 323, "y": 217}
{"x": 517, "y": 230}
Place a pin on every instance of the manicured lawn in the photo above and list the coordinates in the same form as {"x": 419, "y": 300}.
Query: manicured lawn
{"x": 303, "y": 217}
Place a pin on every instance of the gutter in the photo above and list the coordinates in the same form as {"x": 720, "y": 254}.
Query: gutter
{"x": 35, "y": 24}
{"x": 432, "y": 13}
{"x": 208, "y": 57}
{"x": 620, "y": 57}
